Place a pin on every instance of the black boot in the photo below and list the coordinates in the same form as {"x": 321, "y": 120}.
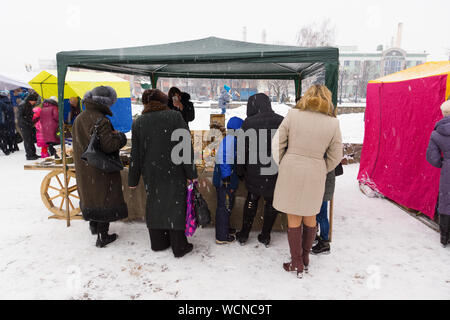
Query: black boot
{"x": 93, "y": 227}
{"x": 250, "y": 208}
{"x": 270, "y": 215}
{"x": 322, "y": 247}
{"x": 444, "y": 225}
{"x": 103, "y": 238}
{"x": 178, "y": 241}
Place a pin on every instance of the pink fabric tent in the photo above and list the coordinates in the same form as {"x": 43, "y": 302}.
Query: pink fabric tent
{"x": 401, "y": 112}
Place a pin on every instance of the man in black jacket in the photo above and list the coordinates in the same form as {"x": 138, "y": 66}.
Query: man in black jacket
{"x": 260, "y": 116}
{"x": 26, "y": 125}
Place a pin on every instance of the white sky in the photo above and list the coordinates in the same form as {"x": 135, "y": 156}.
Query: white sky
{"x": 40, "y": 29}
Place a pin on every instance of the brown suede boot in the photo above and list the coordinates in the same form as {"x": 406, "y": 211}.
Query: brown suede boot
{"x": 295, "y": 246}
{"x": 309, "y": 234}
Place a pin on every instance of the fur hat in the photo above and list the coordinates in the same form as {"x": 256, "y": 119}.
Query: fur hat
{"x": 150, "y": 95}
{"x": 445, "y": 107}
{"x": 33, "y": 96}
{"x": 103, "y": 95}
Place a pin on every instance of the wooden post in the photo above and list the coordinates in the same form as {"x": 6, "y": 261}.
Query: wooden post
{"x": 331, "y": 218}
{"x": 66, "y": 178}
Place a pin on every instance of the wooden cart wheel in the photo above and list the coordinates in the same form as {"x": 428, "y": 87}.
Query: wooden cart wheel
{"x": 53, "y": 193}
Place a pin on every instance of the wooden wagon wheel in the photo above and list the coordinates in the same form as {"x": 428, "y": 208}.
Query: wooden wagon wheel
{"x": 53, "y": 194}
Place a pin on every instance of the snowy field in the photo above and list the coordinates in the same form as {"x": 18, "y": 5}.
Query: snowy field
{"x": 352, "y": 125}
{"x": 378, "y": 252}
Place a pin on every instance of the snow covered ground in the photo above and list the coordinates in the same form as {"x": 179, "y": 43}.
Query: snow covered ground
{"x": 378, "y": 252}
{"x": 352, "y": 125}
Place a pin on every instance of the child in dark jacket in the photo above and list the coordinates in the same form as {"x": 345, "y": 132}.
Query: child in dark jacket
{"x": 226, "y": 181}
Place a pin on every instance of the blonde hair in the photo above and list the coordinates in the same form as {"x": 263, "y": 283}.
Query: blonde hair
{"x": 317, "y": 98}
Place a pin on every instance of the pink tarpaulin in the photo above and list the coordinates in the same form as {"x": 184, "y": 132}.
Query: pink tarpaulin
{"x": 399, "y": 119}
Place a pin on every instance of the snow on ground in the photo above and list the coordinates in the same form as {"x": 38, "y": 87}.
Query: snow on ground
{"x": 352, "y": 125}
{"x": 378, "y": 252}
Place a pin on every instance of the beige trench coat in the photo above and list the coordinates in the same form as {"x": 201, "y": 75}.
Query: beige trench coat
{"x": 298, "y": 147}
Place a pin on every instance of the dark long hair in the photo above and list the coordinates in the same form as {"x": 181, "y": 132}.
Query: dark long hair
{"x": 173, "y": 91}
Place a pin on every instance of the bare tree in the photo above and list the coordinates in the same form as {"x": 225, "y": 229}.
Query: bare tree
{"x": 278, "y": 87}
{"x": 317, "y": 36}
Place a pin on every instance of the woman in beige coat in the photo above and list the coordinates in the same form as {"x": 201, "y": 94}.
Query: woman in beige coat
{"x": 308, "y": 133}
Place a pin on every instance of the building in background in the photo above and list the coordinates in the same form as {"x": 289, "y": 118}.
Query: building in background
{"x": 357, "y": 68}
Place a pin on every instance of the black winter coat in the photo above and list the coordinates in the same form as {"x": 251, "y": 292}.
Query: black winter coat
{"x": 188, "y": 112}
{"x": 25, "y": 115}
{"x": 259, "y": 116}
{"x": 165, "y": 181}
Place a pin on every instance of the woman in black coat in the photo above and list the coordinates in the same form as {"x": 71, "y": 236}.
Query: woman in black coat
{"x": 180, "y": 101}
{"x": 165, "y": 181}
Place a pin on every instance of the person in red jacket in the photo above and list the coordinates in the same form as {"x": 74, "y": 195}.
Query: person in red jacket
{"x": 50, "y": 124}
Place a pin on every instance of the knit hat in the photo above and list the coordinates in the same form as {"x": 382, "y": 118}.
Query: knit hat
{"x": 445, "y": 107}
{"x": 54, "y": 99}
{"x": 4, "y": 93}
{"x": 235, "y": 123}
{"x": 227, "y": 88}
{"x": 103, "y": 95}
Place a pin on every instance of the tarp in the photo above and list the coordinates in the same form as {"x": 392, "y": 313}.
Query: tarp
{"x": 7, "y": 83}
{"x": 78, "y": 83}
{"x": 401, "y": 112}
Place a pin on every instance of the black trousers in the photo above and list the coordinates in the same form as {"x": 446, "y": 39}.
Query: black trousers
{"x": 29, "y": 136}
{"x": 101, "y": 227}
{"x": 250, "y": 208}
{"x": 161, "y": 239}
{"x": 3, "y": 139}
{"x": 51, "y": 148}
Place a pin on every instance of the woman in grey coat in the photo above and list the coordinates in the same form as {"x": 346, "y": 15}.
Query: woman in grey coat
{"x": 438, "y": 155}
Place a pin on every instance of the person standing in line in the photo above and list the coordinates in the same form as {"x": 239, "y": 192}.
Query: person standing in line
{"x": 438, "y": 155}
{"x": 180, "y": 101}
{"x": 226, "y": 181}
{"x": 323, "y": 243}
{"x": 50, "y": 124}
{"x": 260, "y": 116}
{"x": 26, "y": 125}
{"x": 308, "y": 131}
{"x": 3, "y": 131}
{"x": 165, "y": 178}
{"x": 74, "y": 109}
{"x": 225, "y": 98}
{"x": 39, "y": 137}
{"x": 10, "y": 126}
{"x": 101, "y": 195}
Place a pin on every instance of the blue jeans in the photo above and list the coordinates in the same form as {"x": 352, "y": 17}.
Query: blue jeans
{"x": 224, "y": 110}
{"x": 225, "y": 202}
{"x": 322, "y": 220}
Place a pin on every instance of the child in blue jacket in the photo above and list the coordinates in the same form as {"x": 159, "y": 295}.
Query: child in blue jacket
{"x": 226, "y": 181}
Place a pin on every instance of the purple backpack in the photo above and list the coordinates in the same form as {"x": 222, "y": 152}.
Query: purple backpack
{"x": 191, "y": 223}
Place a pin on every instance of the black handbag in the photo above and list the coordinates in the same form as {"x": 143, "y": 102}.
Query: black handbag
{"x": 202, "y": 213}
{"x": 95, "y": 157}
{"x": 339, "y": 170}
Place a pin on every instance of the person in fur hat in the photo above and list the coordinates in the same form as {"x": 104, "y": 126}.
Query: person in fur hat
{"x": 165, "y": 179}
{"x": 308, "y": 131}
{"x": 101, "y": 196}
{"x": 438, "y": 156}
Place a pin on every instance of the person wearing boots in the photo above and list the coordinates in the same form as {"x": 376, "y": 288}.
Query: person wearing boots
{"x": 26, "y": 125}
{"x": 260, "y": 116}
{"x": 165, "y": 178}
{"x": 438, "y": 155}
{"x": 50, "y": 124}
{"x": 9, "y": 122}
{"x": 101, "y": 196}
{"x": 3, "y": 131}
{"x": 308, "y": 131}
{"x": 226, "y": 181}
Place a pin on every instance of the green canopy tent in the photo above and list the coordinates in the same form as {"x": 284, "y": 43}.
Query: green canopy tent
{"x": 207, "y": 58}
